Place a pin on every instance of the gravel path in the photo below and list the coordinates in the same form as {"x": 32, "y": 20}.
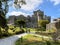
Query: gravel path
{"x": 11, "y": 40}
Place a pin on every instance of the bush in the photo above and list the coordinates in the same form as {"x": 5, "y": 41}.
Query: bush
{"x": 48, "y": 42}
{"x": 19, "y": 32}
{"x": 5, "y": 34}
{"x": 11, "y": 28}
{"x": 41, "y": 29}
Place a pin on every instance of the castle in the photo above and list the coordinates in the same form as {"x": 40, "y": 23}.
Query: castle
{"x": 31, "y": 21}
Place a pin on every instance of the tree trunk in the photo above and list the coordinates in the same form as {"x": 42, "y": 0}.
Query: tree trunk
{"x": 0, "y": 33}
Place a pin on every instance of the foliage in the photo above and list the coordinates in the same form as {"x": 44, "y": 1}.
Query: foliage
{"x": 3, "y": 11}
{"x": 20, "y": 23}
{"x": 48, "y": 43}
{"x": 11, "y": 31}
{"x": 2, "y": 14}
{"x": 41, "y": 29}
{"x": 18, "y": 3}
{"x": 43, "y": 23}
{"x": 15, "y": 30}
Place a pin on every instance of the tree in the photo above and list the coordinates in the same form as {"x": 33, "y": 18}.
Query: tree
{"x": 4, "y": 10}
{"x": 19, "y": 18}
{"x": 29, "y": 18}
{"x": 43, "y": 23}
{"x": 18, "y": 3}
{"x": 20, "y": 23}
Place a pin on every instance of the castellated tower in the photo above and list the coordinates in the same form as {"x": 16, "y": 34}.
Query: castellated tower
{"x": 38, "y": 15}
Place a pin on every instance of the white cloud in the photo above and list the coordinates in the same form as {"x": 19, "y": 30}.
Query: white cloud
{"x": 16, "y": 13}
{"x": 31, "y": 5}
{"x": 56, "y": 2}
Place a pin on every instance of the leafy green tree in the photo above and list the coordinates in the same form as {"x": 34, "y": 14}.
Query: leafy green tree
{"x": 29, "y": 18}
{"x": 20, "y": 23}
{"x": 18, "y": 3}
{"x": 19, "y": 18}
{"x": 3, "y": 11}
{"x": 43, "y": 23}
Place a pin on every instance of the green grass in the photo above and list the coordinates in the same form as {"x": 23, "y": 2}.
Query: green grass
{"x": 31, "y": 29}
{"x": 36, "y": 30}
{"x": 31, "y": 40}
{"x": 34, "y": 40}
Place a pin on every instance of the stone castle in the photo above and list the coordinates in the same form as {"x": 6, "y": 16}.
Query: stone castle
{"x": 31, "y": 21}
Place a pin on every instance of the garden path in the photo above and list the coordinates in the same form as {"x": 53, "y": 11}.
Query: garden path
{"x": 11, "y": 40}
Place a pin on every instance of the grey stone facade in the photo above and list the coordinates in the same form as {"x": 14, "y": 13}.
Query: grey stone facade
{"x": 11, "y": 20}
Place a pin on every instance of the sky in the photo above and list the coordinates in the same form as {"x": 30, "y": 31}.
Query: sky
{"x": 50, "y": 8}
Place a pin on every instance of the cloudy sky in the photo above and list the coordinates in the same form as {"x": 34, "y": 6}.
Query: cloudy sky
{"x": 50, "y": 8}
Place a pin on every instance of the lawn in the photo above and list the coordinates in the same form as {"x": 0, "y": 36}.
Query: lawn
{"x": 35, "y": 40}
{"x": 29, "y": 40}
{"x": 39, "y": 30}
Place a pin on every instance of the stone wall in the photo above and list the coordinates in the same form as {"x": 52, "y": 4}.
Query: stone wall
{"x": 54, "y": 26}
{"x": 11, "y": 20}
{"x": 50, "y": 26}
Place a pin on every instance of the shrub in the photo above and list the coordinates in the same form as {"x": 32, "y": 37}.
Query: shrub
{"x": 41, "y": 29}
{"x": 48, "y": 42}
{"x": 19, "y": 32}
{"x": 11, "y": 28}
